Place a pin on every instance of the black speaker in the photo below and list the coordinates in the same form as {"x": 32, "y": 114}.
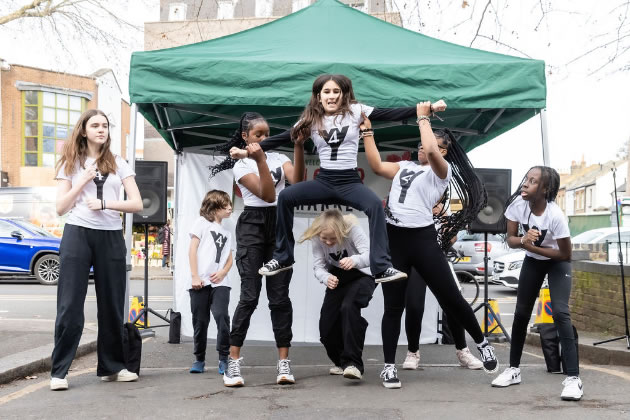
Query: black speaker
{"x": 498, "y": 183}
{"x": 151, "y": 177}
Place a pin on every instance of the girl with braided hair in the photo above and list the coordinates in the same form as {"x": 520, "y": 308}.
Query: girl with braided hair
{"x": 412, "y": 235}
{"x": 547, "y": 245}
{"x": 260, "y": 178}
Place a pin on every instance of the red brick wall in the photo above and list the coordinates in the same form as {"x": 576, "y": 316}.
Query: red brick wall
{"x": 12, "y": 109}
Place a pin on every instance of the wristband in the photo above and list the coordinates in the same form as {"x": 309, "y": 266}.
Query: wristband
{"x": 423, "y": 117}
{"x": 522, "y": 240}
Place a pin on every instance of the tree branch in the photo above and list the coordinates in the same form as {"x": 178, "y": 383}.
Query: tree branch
{"x": 483, "y": 14}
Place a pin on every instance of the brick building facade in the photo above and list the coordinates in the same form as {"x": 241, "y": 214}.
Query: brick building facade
{"x": 38, "y": 110}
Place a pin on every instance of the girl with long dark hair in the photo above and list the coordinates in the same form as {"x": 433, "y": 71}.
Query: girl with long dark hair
{"x": 413, "y": 238}
{"x": 89, "y": 178}
{"x": 260, "y": 179}
{"x": 547, "y": 245}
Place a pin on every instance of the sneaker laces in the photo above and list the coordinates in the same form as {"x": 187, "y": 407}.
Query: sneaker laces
{"x": 569, "y": 380}
{"x": 272, "y": 264}
{"x": 234, "y": 367}
{"x": 487, "y": 353}
{"x": 284, "y": 367}
{"x": 389, "y": 372}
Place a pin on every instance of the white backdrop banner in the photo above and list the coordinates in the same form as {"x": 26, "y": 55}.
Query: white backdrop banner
{"x": 306, "y": 293}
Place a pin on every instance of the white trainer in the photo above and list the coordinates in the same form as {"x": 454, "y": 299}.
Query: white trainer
{"x": 285, "y": 376}
{"x": 573, "y": 389}
{"x": 59, "y": 384}
{"x": 467, "y": 360}
{"x": 412, "y": 360}
{"x": 232, "y": 376}
{"x": 510, "y": 376}
{"x": 336, "y": 370}
{"x": 352, "y": 372}
{"x": 122, "y": 376}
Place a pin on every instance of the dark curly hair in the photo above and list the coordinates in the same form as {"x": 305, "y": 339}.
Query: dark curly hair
{"x": 248, "y": 120}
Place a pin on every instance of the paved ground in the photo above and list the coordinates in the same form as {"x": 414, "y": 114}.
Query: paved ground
{"x": 439, "y": 389}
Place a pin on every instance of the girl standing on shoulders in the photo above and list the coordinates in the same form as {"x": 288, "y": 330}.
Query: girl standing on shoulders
{"x": 89, "y": 178}
{"x": 547, "y": 245}
{"x": 260, "y": 178}
{"x": 210, "y": 258}
{"x": 341, "y": 255}
{"x": 413, "y": 238}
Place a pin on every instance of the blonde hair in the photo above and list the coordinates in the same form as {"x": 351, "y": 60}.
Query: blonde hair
{"x": 331, "y": 219}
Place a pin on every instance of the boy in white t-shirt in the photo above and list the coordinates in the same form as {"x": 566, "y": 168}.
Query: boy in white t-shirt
{"x": 210, "y": 257}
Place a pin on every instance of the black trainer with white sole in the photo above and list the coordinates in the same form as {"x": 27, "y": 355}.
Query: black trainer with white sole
{"x": 273, "y": 267}
{"x": 391, "y": 274}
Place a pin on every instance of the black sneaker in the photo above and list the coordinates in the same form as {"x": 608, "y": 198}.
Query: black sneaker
{"x": 390, "y": 376}
{"x": 488, "y": 358}
{"x": 273, "y": 267}
{"x": 391, "y": 274}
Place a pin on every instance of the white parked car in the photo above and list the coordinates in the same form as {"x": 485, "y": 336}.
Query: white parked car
{"x": 507, "y": 269}
{"x": 601, "y": 235}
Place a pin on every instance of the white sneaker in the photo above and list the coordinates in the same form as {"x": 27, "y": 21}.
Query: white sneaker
{"x": 59, "y": 384}
{"x": 510, "y": 376}
{"x": 232, "y": 376}
{"x": 335, "y": 370}
{"x": 412, "y": 360}
{"x": 467, "y": 360}
{"x": 573, "y": 389}
{"x": 352, "y": 372}
{"x": 285, "y": 376}
{"x": 122, "y": 376}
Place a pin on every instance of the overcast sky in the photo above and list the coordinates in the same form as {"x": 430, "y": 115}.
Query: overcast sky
{"x": 588, "y": 114}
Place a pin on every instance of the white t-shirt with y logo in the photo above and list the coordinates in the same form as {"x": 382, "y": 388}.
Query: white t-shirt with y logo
{"x": 103, "y": 186}
{"x": 415, "y": 190}
{"x": 552, "y": 224}
{"x": 339, "y": 145}
{"x": 275, "y": 162}
{"x": 215, "y": 245}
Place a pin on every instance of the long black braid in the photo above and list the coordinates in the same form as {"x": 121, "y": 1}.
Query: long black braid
{"x": 248, "y": 120}
{"x": 465, "y": 184}
{"x": 549, "y": 179}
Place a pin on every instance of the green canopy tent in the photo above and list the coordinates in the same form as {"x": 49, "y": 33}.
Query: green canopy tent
{"x": 194, "y": 94}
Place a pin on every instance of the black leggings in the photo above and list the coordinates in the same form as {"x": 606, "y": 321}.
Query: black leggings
{"x": 531, "y": 279}
{"x": 414, "y": 312}
{"x": 418, "y": 248}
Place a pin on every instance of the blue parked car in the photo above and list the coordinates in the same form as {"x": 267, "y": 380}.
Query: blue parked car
{"x": 28, "y": 250}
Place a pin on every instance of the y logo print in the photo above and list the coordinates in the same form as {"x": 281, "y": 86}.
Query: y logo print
{"x": 334, "y": 138}
{"x": 339, "y": 255}
{"x": 276, "y": 175}
{"x": 219, "y": 242}
{"x": 100, "y": 180}
{"x": 406, "y": 178}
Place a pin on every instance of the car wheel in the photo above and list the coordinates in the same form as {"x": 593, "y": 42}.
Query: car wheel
{"x": 47, "y": 269}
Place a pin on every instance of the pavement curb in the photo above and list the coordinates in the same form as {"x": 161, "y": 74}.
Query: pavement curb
{"x": 36, "y": 360}
{"x": 593, "y": 354}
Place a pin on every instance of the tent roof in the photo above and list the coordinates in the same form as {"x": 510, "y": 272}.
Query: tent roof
{"x": 195, "y": 94}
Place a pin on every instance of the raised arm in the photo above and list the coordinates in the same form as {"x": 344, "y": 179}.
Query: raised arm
{"x": 261, "y": 185}
{"x": 294, "y": 172}
{"x": 438, "y": 164}
{"x": 384, "y": 169}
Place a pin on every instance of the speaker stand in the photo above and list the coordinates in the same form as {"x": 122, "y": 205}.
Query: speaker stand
{"x": 485, "y": 304}
{"x": 146, "y": 331}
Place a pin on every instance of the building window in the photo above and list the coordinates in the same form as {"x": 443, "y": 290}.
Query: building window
{"x": 225, "y": 9}
{"x": 264, "y": 8}
{"x": 299, "y": 5}
{"x": 48, "y": 120}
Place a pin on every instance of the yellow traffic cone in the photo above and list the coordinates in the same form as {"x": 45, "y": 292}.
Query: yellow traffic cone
{"x": 543, "y": 311}
{"x": 134, "y": 309}
{"x": 493, "y": 325}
